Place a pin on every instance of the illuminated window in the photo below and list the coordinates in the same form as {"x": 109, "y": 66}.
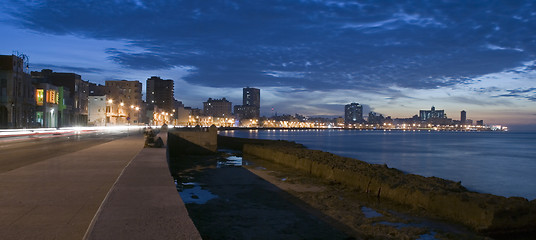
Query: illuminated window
{"x": 39, "y": 97}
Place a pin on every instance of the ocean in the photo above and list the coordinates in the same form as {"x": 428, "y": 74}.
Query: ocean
{"x": 500, "y": 163}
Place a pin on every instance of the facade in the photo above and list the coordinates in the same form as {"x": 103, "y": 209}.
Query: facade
{"x": 217, "y": 108}
{"x": 47, "y": 98}
{"x": 251, "y": 97}
{"x": 124, "y": 99}
{"x": 426, "y": 115}
{"x": 353, "y": 113}
{"x": 251, "y": 103}
{"x": 17, "y": 104}
{"x": 160, "y": 93}
{"x": 97, "y": 106}
{"x": 97, "y": 89}
{"x": 78, "y": 89}
{"x": 463, "y": 117}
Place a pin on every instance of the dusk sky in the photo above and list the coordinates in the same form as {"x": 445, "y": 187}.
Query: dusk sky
{"x": 307, "y": 57}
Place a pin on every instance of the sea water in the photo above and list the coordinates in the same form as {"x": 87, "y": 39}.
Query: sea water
{"x": 500, "y": 163}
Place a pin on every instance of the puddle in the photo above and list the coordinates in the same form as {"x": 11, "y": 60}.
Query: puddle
{"x": 191, "y": 192}
{"x": 427, "y": 236}
{"x": 232, "y": 161}
{"x": 397, "y": 225}
{"x": 370, "y": 213}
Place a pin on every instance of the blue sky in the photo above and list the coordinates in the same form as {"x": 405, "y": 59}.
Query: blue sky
{"x": 308, "y": 57}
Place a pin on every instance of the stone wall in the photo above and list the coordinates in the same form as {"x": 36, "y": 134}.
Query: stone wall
{"x": 439, "y": 197}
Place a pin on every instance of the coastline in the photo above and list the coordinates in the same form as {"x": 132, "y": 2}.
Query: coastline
{"x": 445, "y": 199}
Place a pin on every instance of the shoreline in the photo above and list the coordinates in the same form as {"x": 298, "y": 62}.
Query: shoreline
{"x": 363, "y": 129}
{"x": 445, "y": 199}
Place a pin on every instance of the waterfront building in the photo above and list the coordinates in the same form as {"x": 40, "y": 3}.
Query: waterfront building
{"x": 47, "y": 99}
{"x": 78, "y": 90}
{"x": 97, "y": 106}
{"x": 97, "y": 89}
{"x": 353, "y": 113}
{"x": 17, "y": 105}
{"x": 217, "y": 108}
{"x": 480, "y": 122}
{"x": 463, "y": 117}
{"x": 251, "y": 97}
{"x": 251, "y": 103}
{"x": 125, "y": 102}
{"x": 425, "y": 115}
{"x": 160, "y": 93}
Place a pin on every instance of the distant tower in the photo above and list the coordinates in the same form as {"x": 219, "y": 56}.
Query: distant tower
{"x": 251, "y": 97}
{"x": 160, "y": 93}
{"x": 463, "y": 117}
{"x": 251, "y": 104}
{"x": 353, "y": 113}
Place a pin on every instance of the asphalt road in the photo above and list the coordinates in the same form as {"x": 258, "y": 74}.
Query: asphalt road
{"x": 20, "y": 152}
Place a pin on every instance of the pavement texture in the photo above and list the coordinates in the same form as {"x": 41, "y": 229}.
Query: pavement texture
{"x": 115, "y": 190}
{"x": 58, "y": 198}
{"x": 144, "y": 203}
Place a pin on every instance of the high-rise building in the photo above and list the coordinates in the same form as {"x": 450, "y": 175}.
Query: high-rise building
{"x": 251, "y": 97}
{"x": 217, "y": 108}
{"x": 160, "y": 93}
{"x": 124, "y": 101}
{"x": 432, "y": 114}
{"x": 353, "y": 113}
{"x": 251, "y": 103}
{"x": 17, "y": 103}
{"x": 463, "y": 117}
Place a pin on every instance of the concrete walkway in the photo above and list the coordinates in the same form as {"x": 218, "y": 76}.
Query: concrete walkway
{"x": 57, "y": 198}
{"x": 60, "y": 198}
{"x": 144, "y": 203}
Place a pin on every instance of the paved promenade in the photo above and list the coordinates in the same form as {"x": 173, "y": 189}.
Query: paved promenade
{"x": 59, "y": 198}
{"x": 144, "y": 203}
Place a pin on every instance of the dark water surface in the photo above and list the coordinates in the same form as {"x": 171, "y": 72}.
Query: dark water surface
{"x": 500, "y": 163}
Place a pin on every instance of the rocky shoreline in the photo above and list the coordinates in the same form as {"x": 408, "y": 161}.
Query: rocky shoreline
{"x": 484, "y": 213}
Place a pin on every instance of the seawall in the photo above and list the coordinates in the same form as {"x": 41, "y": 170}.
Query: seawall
{"x": 446, "y": 199}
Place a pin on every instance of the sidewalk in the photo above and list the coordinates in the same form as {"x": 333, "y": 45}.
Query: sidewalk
{"x": 58, "y": 198}
{"x": 144, "y": 203}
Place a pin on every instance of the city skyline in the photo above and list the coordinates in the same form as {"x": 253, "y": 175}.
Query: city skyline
{"x": 308, "y": 57}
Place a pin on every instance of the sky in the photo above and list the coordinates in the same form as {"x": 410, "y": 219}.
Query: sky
{"x": 307, "y": 56}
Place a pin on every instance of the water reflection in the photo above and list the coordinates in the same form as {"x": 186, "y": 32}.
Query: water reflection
{"x": 231, "y": 161}
{"x": 192, "y": 192}
{"x": 370, "y": 213}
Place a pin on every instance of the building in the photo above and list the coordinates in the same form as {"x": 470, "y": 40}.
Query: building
{"x": 251, "y": 104}
{"x": 47, "y": 99}
{"x": 97, "y": 89}
{"x": 160, "y": 93}
{"x": 217, "y": 108}
{"x": 463, "y": 117}
{"x": 77, "y": 100}
{"x": 426, "y": 115}
{"x": 97, "y": 114}
{"x": 124, "y": 99}
{"x": 353, "y": 113}
{"x": 17, "y": 101}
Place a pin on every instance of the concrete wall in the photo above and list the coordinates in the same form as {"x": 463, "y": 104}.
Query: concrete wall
{"x": 193, "y": 140}
{"x": 443, "y": 198}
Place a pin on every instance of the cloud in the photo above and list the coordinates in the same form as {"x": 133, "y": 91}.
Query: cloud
{"x": 60, "y": 68}
{"x": 300, "y": 44}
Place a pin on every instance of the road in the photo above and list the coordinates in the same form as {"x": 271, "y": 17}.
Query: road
{"x": 16, "y": 152}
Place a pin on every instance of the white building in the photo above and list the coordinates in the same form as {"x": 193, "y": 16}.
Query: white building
{"x": 97, "y": 110}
